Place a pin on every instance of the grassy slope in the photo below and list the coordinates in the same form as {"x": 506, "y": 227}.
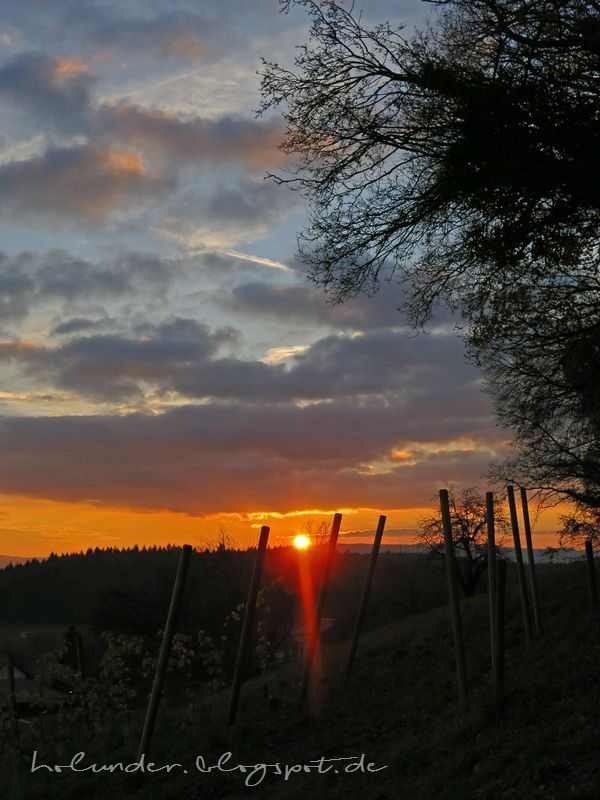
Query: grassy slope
{"x": 399, "y": 708}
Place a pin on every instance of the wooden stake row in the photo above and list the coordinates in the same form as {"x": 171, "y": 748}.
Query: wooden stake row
{"x": 247, "y": 625}
{"x": 496, "y": 584}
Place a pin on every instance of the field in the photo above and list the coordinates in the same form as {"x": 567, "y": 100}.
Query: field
{"x": 399, "y": 708}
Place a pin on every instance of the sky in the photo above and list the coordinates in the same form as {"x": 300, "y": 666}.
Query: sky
{"x": 166, "y": 368}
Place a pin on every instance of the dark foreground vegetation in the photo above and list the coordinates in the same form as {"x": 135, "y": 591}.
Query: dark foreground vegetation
{"x": 398, "y": 707}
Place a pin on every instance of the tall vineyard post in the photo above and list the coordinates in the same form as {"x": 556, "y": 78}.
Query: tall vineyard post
{"x": 535, "y": 600}
{"x": 242, "y": 653}
{"x": 451, "y": 567}
{"x": 365, "y": 594}
{"x": 519, "y": 559}
{"x": 165, "y": 650}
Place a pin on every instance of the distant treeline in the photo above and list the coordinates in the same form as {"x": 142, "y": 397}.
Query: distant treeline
{"x": 129, "y": 589}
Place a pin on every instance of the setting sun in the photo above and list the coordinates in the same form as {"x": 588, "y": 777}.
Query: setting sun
{"x": 301, "y": 542}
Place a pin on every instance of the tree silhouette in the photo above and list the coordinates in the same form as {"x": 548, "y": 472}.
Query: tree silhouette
{"x": 469, "y": 534}
{"x": 463, "y": 159}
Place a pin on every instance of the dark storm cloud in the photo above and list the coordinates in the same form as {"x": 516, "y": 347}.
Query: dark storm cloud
{"x": 214, "y": 458}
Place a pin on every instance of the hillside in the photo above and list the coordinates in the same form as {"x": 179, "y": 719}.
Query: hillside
{"x": 399, "y": 709}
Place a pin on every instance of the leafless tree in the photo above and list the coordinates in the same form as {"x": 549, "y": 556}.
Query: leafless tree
{"x": 469, "y": 534}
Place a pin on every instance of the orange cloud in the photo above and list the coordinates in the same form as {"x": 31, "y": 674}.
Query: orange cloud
{"x": 23, "y": 347}
{"x": 125, "y": 163}
{"x": 64, "y": 69}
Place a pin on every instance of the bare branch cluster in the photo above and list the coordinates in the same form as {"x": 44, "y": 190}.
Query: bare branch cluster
{"x": 447, "y": 156}
{"x": 468, "y": 515}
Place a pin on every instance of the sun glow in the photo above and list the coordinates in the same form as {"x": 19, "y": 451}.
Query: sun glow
{"x": 301, "y": 542}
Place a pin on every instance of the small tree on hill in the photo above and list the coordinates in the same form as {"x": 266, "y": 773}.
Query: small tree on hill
{"x": 469, "y": 534}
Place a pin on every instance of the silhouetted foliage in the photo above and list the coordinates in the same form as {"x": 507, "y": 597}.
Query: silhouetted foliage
{"x": 582, "y": 525}
{"x": 464, "y": 159}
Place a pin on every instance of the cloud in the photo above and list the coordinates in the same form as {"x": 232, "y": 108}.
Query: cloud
{"x": 75, "y": 325}
{"x": 28, "y": 280}
{"x": 425, "y": 378}
{"x": 95, "y": 159}
{"x": 304, "y": 303}
{"x": 113, "y": 367}
{"x": 131, "y": 159}
{"x": 212, "y": 458}
{"x": 16, "y": 290}
{"x": 178, "y": 35}
{"x": 228, "y": 214}
{"x": 82, "y": 182}
{"x": 253, "y": 143}
{"x": 59, "y": 92}
{"x": 56, "y": 90}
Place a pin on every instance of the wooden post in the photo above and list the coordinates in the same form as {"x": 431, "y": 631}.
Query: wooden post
{"x": 535, "y": 601}
{"x": 315, "y": 633}
{"x": 451, "y": 567}
{"x": 365, "y": 594}
{"x": 242, "y": 653}
{"x": 499, "y": 640}
{"x": 163, "y": 659}
{"x": 519, "y": 559}
{"x": 589, "y": 557}
{"x": 491, "y": 536}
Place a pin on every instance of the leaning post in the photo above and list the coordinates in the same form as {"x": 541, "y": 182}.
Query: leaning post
{"x": 459, "y": 645}
{"x": 365, "y": 594}
{"x": 242, "y": 653}
{"x": 165, "y": 650}
{"x": 519, "y": 559}
{"x": 535, "y": 600}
